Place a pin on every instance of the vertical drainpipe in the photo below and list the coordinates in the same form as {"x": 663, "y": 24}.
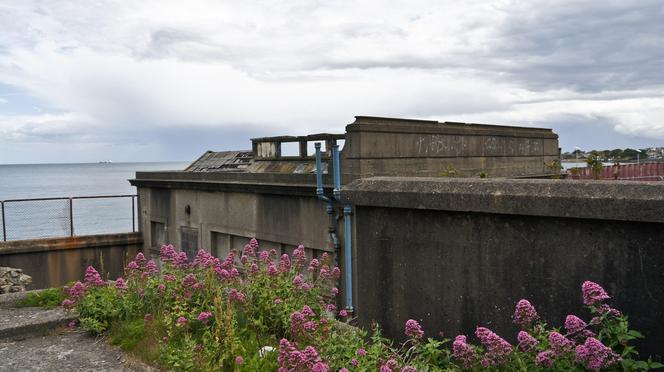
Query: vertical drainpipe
{"x": 348, "y": 211}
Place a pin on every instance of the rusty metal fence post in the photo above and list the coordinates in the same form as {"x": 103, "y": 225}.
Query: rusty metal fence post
{"x": 4, "y": 223}
{"x": 71, "y": 217}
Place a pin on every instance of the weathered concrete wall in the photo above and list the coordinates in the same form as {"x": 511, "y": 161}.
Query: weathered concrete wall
{"x": 220, "y": 213}
{"x": 422, "y": 148}
{"x": 54, "y": 262}
{"x": 457, "y": 254}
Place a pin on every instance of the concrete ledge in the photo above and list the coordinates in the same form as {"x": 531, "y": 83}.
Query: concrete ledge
{"x": 22, "y": 323}
{"x": 76, "y": 242}
{"x": 607, "y": 200}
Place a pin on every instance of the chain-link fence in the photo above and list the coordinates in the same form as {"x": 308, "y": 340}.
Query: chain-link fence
{"x": 58, "y": 217}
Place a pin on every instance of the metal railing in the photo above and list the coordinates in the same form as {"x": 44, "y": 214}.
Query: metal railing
{"x": 67, "y": 216}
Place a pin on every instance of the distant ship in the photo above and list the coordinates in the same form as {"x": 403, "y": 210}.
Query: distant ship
{"x": 105, "y": 162}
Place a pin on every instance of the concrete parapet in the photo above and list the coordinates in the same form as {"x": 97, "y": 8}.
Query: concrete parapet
{"x": 459, "y": 253}
{"x": 56, "y": 261}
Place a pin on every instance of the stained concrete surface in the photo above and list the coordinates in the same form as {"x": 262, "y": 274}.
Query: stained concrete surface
{"x": 64, "y": 350}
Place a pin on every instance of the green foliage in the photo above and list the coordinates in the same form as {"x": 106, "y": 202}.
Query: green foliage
{"x": 451, "y": 171}
{"x": 595, "y": 165}
{"x": 46, "y": 299}
{"x": 98, "y": 308}
{"x": 484, "y": 174}
{"x": 212, "y": 315}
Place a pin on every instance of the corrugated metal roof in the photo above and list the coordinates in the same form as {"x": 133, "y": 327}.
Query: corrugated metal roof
{"x": 222, "y": 161}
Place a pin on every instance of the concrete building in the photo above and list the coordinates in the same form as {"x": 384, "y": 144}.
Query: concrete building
{"x": 269, "y": 192}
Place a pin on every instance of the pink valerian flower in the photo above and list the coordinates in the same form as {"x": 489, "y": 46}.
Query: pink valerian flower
{"x": 331, "y": 308}
{"x": 236, "y": 295}
{"x": 463, "y": 352}
{"x": 170, "y": 277}
{"x": 319, "y": 367}
{"x": 140, "y": 259}
{"x": 354, "y": 362}
{"x": 524, "y": 313}
{"x": 182, "y": 321}
{"x": 253, "y": 243}
{"x": 277, "y": 301}
{"x": 272, "y": 270}
{"x": 574, "y": 324}
{"x": 161, "y": 287}
{"x": 264, "y": 256}
{"x": 606, "y": 309}
{"x": 167, "y": 253}
{"x": 389, "y": 366}
{"x": 594, "y": 355}
{"x": 324, "y": 272}
{"x": 181, "y": 261}
{"x": 498, "y": 350}
{"x": 248, "y": 251}
{"x": 336, "y": 272}
{"x": 299, "y": 255}
{"x": 334, "y": 291}
{"x": 120, "y": 284}
{"x": 408, "y": 369}
{"x": 306, "y": 310}
{"x": 298, "y": 280}
{"x": 545, "y": 359}
{"x": 204, "y": 317}
{"x": 77, "y": 290}
{"x": 284, "y": 263}
{"x": 254, "y": 268}
{"x": 239, "y": 360}
{"x": 151, "y": 268}
{"x": 292, "y": 359}
{"x": 560, "y": 344}
{"x": 527, "y": 342}
{"x": 72, "y": 324}
{"x": 361, "y": 352}
{"x": 313, "y": 265}
{"x": 132, "y": 266}
{"x": 189, "y": 280}
{"x": 345, "y": 369}
{"x": 68, "y": 304}
{"x": 92, "y": 277}
{"x": 413, "y": 329}
{"x": 244, "y": 259}
{"x": 343, "y": 313}
{"x": 203, "y": 259}
{"x": 593, "y": 293}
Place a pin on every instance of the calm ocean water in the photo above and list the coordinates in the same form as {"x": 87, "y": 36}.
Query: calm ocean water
{"x": 51, "y": 218}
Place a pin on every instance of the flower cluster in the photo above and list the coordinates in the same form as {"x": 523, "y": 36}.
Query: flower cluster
{"x": 413, "y": 329}
{"x": 498, "y": 350}
{"x": 524, "y": 313}
{"x": 92, "y": 277}
{"x": 463, "y": 352}
{"x": 593, "y": 293}
{"x": 594, "y": 355}
{"x": 527, "y": 342}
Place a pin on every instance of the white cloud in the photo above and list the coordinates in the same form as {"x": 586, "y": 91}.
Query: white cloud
{"x": 109, "y": 69}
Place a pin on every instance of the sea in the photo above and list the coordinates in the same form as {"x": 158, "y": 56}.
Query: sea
{"x": 27, "y": 219}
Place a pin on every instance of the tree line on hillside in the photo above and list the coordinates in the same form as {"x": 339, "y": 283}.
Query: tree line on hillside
{"x": 617, "y": 154}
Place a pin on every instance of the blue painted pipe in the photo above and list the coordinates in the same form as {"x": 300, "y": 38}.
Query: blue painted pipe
{"x": 337, "y": 172}
{"x": 348, "y": 262}
{"x": 319, "y": 175}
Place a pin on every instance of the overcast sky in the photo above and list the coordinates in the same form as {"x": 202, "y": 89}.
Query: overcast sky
{"x": 157, "y": 80}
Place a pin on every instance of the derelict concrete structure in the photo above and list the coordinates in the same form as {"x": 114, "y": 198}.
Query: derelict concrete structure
{"x": 446, "y": 251}
{"x": 224, "y": 198}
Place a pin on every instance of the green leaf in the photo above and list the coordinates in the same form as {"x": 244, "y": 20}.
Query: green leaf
{"x": 655, "y": 365}
{"x": 635, "y": 334}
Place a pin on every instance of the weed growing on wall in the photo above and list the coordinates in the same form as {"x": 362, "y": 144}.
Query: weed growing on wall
{"x": 265, "y": 312}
